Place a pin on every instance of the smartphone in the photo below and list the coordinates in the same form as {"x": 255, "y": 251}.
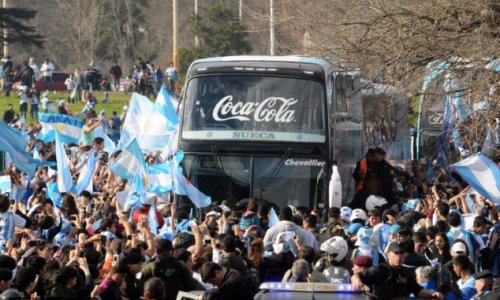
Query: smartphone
{"x": 34, "y": 243}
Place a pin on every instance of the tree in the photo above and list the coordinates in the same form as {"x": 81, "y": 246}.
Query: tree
{"x": 16, "y": 20}
{"x": 221, "y": 34}
{"x": 396, "y": 40}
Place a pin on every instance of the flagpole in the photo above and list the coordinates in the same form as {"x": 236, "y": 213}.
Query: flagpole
{"x": 175, "y": 59}
{"x": 271, "y": 26}
{"x": 196, "y": 42}
{"x": 5, "y": 33}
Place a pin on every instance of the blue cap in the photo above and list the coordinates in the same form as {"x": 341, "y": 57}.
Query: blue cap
{"x": 353, "y": 228}
{"x": 394, "y": 228}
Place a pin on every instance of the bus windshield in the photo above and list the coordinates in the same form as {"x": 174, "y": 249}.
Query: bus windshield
{"x": 254, "y": 107}
{"x": 292, "y": 180}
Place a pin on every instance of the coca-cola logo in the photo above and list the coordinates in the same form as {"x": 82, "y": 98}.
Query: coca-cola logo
{"x": 276, "y": 109}
{"x": 436, "y": 118}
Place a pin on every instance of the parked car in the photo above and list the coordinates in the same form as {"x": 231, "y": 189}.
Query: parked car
{"x": 58, "y": 76}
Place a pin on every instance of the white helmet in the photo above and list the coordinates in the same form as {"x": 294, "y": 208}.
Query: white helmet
{"x": 374, "y": 201}
{"x": 335, "y": 245}
{"x": 358, "y": 213}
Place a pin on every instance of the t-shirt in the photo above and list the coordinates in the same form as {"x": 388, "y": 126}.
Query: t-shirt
{"x": 387, "y": 282}
{"x": 8, "y": 222}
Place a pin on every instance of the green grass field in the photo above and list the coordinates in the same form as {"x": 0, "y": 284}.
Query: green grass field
{"x": 116, "y": 101}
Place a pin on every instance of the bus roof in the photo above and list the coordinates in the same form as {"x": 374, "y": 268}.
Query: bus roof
{"x": 266, "y": 58}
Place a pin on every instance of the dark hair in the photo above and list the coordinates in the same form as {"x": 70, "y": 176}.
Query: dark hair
{"x": 443, "y": 208}
{"x": 155, "y": 288}
{"x": 463, "y": 262}
{"x": 431, "y": 232}
{"x": 182, "y": 254}
{"x": 408, "y": 246}
{"x": 480, "y": 221}
{"x": 286, "y": 214}
{"x": 229, "y": 243}
{"x": 45, "y": 222}
{"x": 442, "y": 226}
{"x": 208, "y": 270}
{"x": 65, "y": 274}
{"x": 446, "y": 241}
{"x": 387, "y": 212}
{"x": 311, "y": 220}
{"x": 374, "y": 212}
{"x": 36, "y": 263}
{"x": 98, "y": 140}
{"x": 307, "y": 253}
{"x": 454, "y": 219}
{"x": 419, "y": 237}
{"x": 86, "y": 194}
{"x": 405, "y": 231}
{"x": 68, "y": 202}
{"x": 182, "y": 215}
{"x": 4, "y": 203}
{"x": 24, "y": 277}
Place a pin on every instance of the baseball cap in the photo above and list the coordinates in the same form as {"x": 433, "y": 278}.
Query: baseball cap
{"x": 353, "y": 228}
{"x": 363, "y": 261}
{"x": 483, "y": 274}
{"x": 396, "y": 247}
{"x": 459, "y": 247}
{"x": 163, "y": 245}
{"x": 394, "y": 228}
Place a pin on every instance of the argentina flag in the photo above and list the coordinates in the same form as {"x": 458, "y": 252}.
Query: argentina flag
{"x": 12, "y": 142}
{"x": 69, "y": 128}
{"x": 146, "y": 122}
{"x": 482, "y": 174}
{"x": 129, "y": 162}
{"x": 160, "y": 178}
{"x": 5, "y": 184}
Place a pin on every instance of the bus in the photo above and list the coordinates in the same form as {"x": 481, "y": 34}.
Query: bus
{"x": 263, "y": 127}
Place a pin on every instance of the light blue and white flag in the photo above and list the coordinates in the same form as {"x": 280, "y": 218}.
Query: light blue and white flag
{"x": 68, "y": 127}
{"x": 482, "y": 174}
{"x": 84, "y": 182}
{"x": 165, "y": 106}
{"x": 13, "y": 143}
{"x": 182, "y": 186}
{"x": 146, "y": 124}
{"x": 160, "y": 178}
{"x": 153, "y": 219}
{"x": 109, "y": 145}
{"x": 129, "y": 162}
{"x": 273, "y": 218}
{"x": 136, "y": 195}
{"x": 64, "y": 178}
{"x": 5, "y": 184}
{"x": 53, "y": 194}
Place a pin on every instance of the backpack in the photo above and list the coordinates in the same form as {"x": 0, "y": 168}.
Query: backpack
{"x": 330, "y": 230}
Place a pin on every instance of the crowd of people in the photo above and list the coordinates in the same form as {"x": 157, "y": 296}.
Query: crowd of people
{"x": 144, "y": 78}
{"x": 90, "y": 246}
{"x": 407, "y": 232}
